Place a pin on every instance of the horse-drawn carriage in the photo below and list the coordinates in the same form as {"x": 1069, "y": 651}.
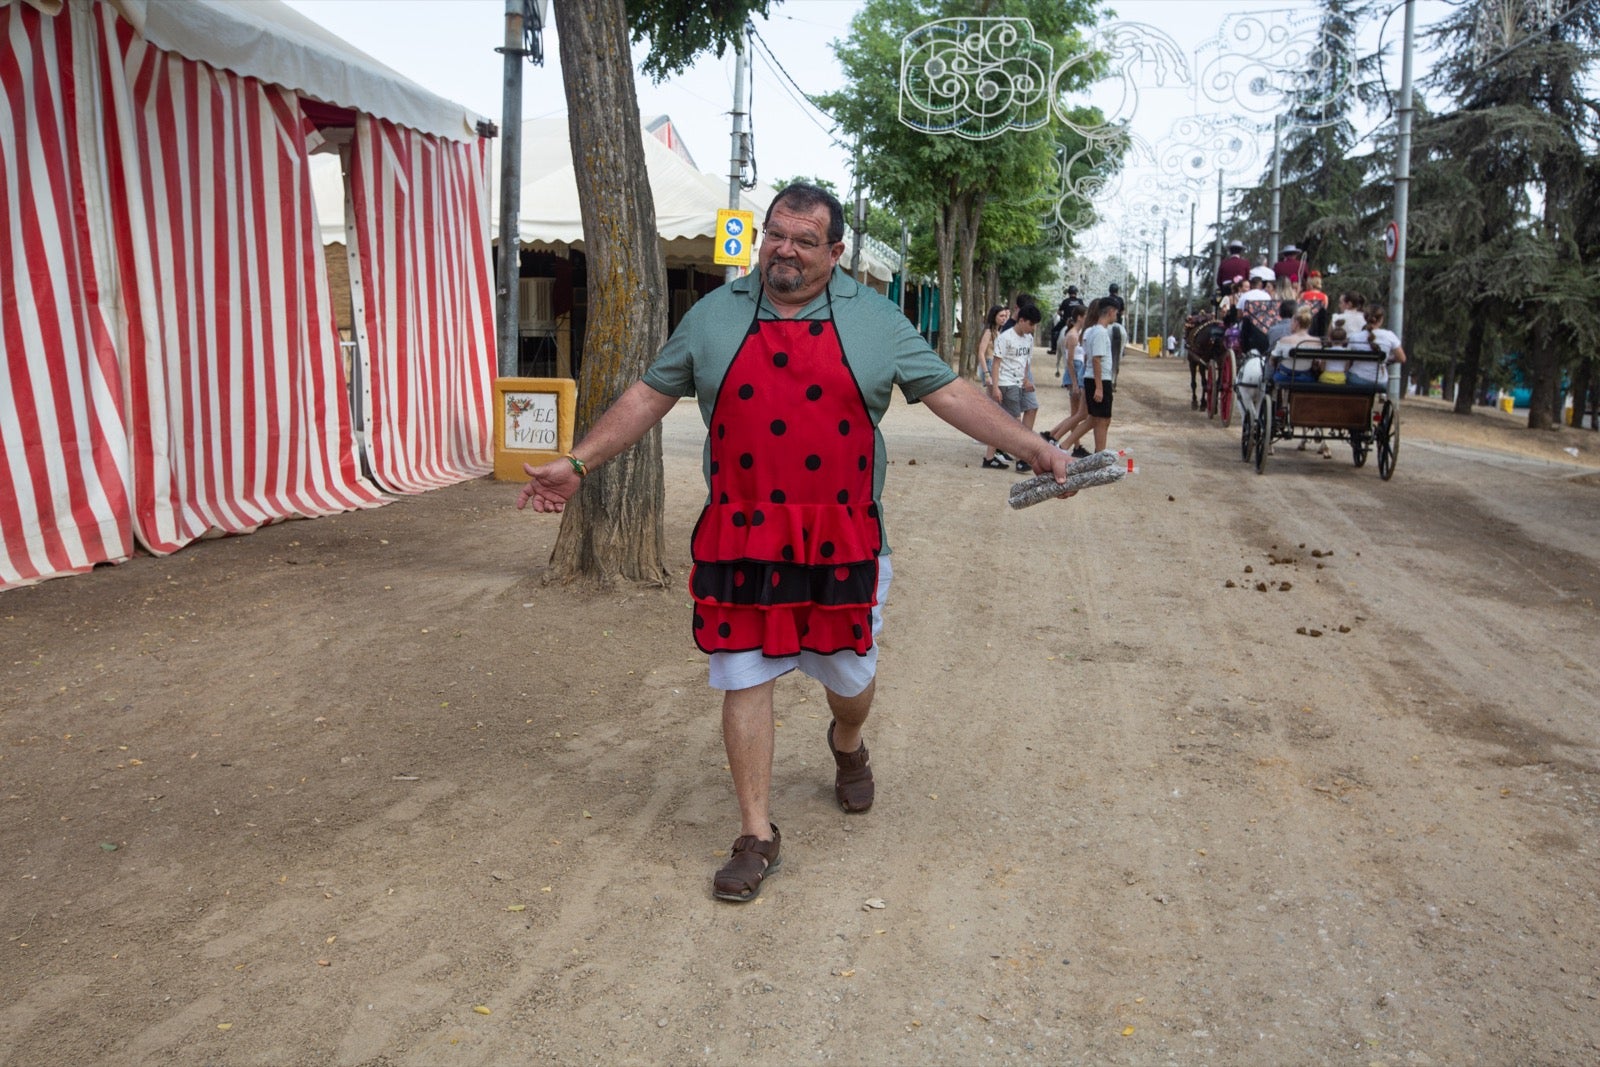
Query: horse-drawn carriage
{"x": 1288, "y": 403}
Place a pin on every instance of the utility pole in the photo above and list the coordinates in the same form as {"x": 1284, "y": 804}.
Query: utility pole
{"x": 518, "y": 15}
{"x": 1144, "y": 296}
{"x": 1218, "y": 267}
{"x": 1402, "y": 187}
{"x": 1164, "y": 275}
{"x": 1277, "y": 189}
{"x": 861, "y": 215}
{"x": 741, "y": 56}
{"x": 905, "y": 250}
{"x": 1189, "y": 289}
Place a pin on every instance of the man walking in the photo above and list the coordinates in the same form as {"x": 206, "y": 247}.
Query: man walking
{"x": 794, "y": 367}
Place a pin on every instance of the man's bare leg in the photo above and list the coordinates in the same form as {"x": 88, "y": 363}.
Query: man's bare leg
{"x": 747, "y": 736}
{"x": 849, "y": 715}
{"x": 852, "y": 785}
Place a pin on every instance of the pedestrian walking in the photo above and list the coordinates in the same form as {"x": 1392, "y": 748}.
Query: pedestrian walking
{"x": 794, "y": 366}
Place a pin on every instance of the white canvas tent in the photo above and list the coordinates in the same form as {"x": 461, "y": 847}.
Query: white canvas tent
{"x": 550, "y": 219}
{"x": 171, "y": 368}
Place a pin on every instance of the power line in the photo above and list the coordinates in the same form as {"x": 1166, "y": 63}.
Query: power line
{"x": 792, "y": 87}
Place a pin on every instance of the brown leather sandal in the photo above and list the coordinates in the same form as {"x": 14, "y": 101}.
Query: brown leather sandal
{"x": 753, "y": 862}
{"x": 852, "y": 784}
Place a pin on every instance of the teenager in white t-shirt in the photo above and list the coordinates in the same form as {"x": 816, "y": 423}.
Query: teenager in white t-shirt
{"x": 1099, "y": 378}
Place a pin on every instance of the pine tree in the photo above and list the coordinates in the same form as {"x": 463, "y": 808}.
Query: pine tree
{"x": 1510, "y": 159}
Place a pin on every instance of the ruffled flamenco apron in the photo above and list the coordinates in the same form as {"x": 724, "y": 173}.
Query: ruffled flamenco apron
{"x": 786, "y": 550}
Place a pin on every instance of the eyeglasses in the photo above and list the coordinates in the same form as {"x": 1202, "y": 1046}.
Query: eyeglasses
{"x": 804, "y": 244}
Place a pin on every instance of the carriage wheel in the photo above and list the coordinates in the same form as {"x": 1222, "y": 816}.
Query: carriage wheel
{"x": 1263, "y": 432}
{"x": 1360, "y": 445}
{"x": 1388, "y": 435}
{"x": 1246, "y": 433}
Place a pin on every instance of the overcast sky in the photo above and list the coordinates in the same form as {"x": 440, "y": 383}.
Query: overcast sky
{"x": 448, "y": 47}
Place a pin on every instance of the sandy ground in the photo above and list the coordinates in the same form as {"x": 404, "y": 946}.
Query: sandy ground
{"x": 1207, "y": 767}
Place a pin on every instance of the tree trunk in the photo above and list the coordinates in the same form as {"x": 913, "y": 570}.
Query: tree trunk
{"x": 1544, "y": 370}
{"x": 970, "y": 217}
{"x": 1583, "y": 381}
{"x": 944, "y": 239}
{"x": 1466, "y": 382}
{"x": 612, "y": 528}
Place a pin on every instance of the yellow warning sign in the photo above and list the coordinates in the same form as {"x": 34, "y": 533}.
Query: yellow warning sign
{"x": 735, "y": 231}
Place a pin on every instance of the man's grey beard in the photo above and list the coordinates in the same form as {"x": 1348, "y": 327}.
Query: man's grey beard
{"x": 788, "y": 283}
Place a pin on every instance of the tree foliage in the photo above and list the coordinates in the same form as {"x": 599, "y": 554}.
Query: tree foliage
{"x": 680, "y": 30}
{"x": 1322, "y": 212}
{"x": 945, "y": 179}
{"x": 1510, "y": 160}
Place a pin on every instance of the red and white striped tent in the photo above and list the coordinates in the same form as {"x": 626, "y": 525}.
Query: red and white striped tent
{"x": 169, "y": 357}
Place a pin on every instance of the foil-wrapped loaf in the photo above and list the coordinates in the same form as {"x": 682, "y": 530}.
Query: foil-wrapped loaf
{"x": 1101, "y": 468}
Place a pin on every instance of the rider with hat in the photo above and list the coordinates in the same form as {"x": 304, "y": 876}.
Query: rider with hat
{"x": 1233, "y": 267}
{"x": 1290, "y": 269}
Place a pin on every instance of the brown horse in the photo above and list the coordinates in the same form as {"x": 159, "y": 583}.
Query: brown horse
{"x": 1207, "y": 344}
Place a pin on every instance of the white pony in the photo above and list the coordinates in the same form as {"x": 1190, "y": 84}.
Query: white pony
{"x": 1250, "y": 387}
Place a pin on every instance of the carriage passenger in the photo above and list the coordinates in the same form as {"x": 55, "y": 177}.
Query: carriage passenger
{"x": 1333, "y": 370}
{"x": 1288, "y": 365}
{"x": 1283, "y": 327}
{"x": 1352, "y": 308}
{"x": 1382, "y": 340}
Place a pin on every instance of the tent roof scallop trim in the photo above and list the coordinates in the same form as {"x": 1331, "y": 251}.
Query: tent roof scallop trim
{"x": 268, "y": 40}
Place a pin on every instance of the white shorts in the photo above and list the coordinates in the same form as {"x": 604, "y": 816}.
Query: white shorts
{"x": 844, "y": 673}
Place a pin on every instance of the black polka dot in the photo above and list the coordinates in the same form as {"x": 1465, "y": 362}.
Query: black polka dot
{"x": 844, "y": 496}
{"x": 872, "y": 511}
{"x": 778, "y": 496}
{"x": 724, "y": 630}
{"x": 699, "y": 621}
{"x": 746, "y": 391}
{"x": 780, "y": 359}
{"x": 850, "y": 510}
{"x": 738, "y": 518}
{"x": 861, "y": 464}
{"x": 844, "y": 427}
{"x": 757, "y": 518}
{"x": 813, "y": 463}
{"x": 826, "y": 550}
{"x": 747, "y": 461}
{"x": 722, "y": 430}
{"x": 716, "y": 468}
{"x": 814, "y": 393}
{"x": 856, "y": 630}
{"x": 724, "y": 499}
{"x": 816, "y": 329}
{"x": 778, "y": 427}
{"x": 788, "y": 553}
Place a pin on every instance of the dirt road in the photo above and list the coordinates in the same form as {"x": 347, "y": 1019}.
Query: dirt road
{"x": 1207, "y": 767}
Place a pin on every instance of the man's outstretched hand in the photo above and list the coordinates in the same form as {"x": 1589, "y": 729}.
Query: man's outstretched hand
{"x": 549, "y": 486}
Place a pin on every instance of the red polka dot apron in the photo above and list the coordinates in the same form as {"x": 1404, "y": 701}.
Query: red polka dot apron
{"x": 786, "y": 550}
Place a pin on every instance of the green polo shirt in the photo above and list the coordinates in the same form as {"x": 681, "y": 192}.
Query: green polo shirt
{"x": 883, "y": 347}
